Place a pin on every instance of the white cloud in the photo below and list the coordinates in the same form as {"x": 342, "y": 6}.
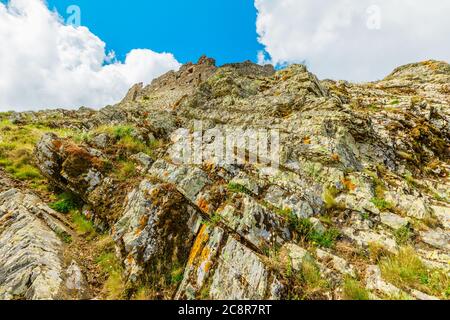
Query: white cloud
{"x": 353, "y": 40}
{"x": 45, "y": 63}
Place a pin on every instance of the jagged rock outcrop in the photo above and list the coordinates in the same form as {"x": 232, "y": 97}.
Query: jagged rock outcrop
{"x": 362, "y": 173}
{"x": 83, "y": 171}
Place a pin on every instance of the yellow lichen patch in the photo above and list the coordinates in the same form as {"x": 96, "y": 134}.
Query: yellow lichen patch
{"x": 306, "y": 140}
{"x": 204, "y": 259}
{"x": 433, "y": 65}
{"x": 207, "y": 266}
{"x": 209, "y": 166}
{"x": 199, "y": 244}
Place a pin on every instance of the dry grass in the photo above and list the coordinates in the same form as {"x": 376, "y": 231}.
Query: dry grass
{"x": 405, "y": 270}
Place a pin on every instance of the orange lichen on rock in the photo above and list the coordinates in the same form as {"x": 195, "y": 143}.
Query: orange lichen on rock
{"x": 57, "y": 144}
{"x": 199, "y": 244}
{"x": 203, "y": 205}
{"x": 142, "y": 224}
{"x": 349, "y": 185}
{"x": 335, "y": 157}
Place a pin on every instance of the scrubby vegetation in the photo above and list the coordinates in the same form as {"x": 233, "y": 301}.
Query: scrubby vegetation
{"x": 406, "y": 270}
{"x": 307, "y": 283}
{"x": 16, "y": 151}
{"x": 65, "y": 203}
{"x": 354, "y": 290}
{"x": 238, "y": 188}
{"x": 307, "y": 233}
{"x": 114, "y": 286}
{"x": 17, "y": 143}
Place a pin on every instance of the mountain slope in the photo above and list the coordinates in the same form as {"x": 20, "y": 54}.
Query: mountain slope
{"x": 355, "y": 207}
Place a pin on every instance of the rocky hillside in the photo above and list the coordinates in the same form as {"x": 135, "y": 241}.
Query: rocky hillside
{"x": 93, "y": 206}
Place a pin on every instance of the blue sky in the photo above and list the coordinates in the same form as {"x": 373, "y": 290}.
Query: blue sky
{"x": 223, "y": 29}
{"x": 65, "y": 66}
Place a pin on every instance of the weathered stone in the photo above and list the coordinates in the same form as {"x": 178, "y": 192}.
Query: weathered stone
{"x": 254, "y": 222}
{"x": 374, "y": 281}
{"x": 296, "y": 255}
{"x": 437, "y": 238}
{"x": 201, "y": 262}
{"x": 101, "y": 140}
{"x": 188, "y": 180}
{"x": 393, "y": 221}
{"x": 355, "y": 153}
{"x": 364, "y": 238}
{"x": 317, "y": 225}
{"x": 335, "y": 262}
{"x": 82, "y": 171}
{"x": 75, "y": 282}
{"x": 443, "y": 214}
{"x": 422, "y": 296}
{"x": 157, "y": 229}
{"x": 241, "y": 275}
{"x": 143, "y": 160}
{"x": 30, "y": 251}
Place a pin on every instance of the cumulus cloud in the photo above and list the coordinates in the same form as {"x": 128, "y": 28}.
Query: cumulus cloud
{"x": 353, "y": 40}
{"x": 46, "y": 64}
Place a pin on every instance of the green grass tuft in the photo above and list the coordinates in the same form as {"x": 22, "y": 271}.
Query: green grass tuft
{"x": 238, "y": 188}
{"x": 382, "y": 204}
{"x": 66, "y": 202}
{"x": 354, "y": 290}
{"x": 406, "y": 270}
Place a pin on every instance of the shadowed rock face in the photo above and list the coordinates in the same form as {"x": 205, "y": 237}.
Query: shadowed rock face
{"x": 156, "y": 231}
{"x": 362, "y": 166}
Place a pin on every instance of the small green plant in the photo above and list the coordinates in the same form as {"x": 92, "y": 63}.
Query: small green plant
{"x": 394, "y": 102}
{"x": 404, "y": 235}
{"x": 410, "y": 180}
{"x": 82, "y": 137}
{"x": 314, "y": 170}
{"x": 177, "y": 275}
{"x": 306, "y": 231}
{"x": 216, "y": 218}
{"x": 122, "y": 132}
{"x": 373, "y": 107}
{"x": 329, "y": 197}
{"x": 382, "y": 204}
{"x": 238, "y": 188}
{"x": 354, "y": 290}
{"x": 114, "y": 288}
{"x": 285, "y": 212}
{"x": 65, "y": 237}
{"x": 82, "y": 225}
{"x": 65, "y": 203}
{"x": 125, "y": 170}
{"x": 365, "y": 216}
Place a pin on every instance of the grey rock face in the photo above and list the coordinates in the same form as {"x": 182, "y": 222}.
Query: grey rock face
{"x": 30, "y": 250}
{"x": 157, "y": 229}
{"x": 241, "y": 275}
